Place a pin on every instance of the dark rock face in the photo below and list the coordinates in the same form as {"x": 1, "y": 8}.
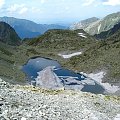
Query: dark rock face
{"x": 8, "y": 35}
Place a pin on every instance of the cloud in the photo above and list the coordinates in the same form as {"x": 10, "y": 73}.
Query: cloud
{"x": 35, "y": 9}
{"x": 112, "y": 2}
{"x": 23, "y": 10}
{"x": 42, "y": 1}
{"x": 2, "y": 2}
{"x": 19, "y": 8}
{"x": 67, "y": 8}
{"x": 88, "y": 2}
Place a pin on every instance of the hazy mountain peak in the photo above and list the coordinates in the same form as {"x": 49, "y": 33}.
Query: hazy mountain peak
{"x": 27, "y": 28}
{"x": 84, "y": 23}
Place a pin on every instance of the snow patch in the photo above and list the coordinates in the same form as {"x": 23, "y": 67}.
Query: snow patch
{"x": 70, "y": 55}
{"x": 68, "y": 77}
{"x": 98, "y": 78}
{"x": 115, "y": 19}
{"x": 82, "y": 35}
{"x": 23, "y": 118}
{"x": 0, "y": 80}
{"x": 99, "y": 28}
{"x": 117, "y": 117}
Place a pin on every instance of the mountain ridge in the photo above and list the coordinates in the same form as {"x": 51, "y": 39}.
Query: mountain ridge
{"x": 69, "y": 39}
{"x": 103, "y": 24}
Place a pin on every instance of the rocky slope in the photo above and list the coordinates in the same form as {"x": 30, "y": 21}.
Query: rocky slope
{"x": 28, "y": 103}
{"x": 27, "y": 28}
{"x": 8, "y": 34}
{"x": 101, "y": 25}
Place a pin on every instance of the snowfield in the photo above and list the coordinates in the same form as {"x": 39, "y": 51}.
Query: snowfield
{"x": 70, "y": 55}
{"x": 117, "y": 117}
{"x": 99, "y": 28}
{"x": 98, "y": 78}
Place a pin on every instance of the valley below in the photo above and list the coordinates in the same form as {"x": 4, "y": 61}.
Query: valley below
{"x": 79, "y": 54}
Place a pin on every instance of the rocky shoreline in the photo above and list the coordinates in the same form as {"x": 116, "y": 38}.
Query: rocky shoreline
{"x": 32, "y": 103}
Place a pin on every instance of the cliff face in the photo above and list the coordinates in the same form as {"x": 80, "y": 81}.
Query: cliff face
{"x": 8, "y": 34}
{"x": 28, "y": 103}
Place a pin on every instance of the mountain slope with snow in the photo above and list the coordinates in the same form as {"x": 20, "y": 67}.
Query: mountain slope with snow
{"x": 109, "y": 33}
{"x": 99, "y": 25}
{"x": 104, "y": 24}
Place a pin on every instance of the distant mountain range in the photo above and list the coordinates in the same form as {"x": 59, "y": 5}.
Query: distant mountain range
{"x": 8, "y": 35}
{"x": 96, "y": 26}
{"x": 27, "y": 28}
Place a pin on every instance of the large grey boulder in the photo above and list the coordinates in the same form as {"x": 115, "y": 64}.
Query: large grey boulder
{"x": 48, "y": 79}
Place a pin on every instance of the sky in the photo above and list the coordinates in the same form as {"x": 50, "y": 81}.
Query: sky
{"x": 58, "y": 11}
